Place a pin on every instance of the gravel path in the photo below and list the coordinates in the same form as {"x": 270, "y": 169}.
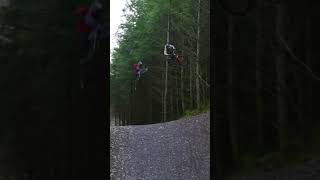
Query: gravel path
{"x": 308, "y": 171}
{"x": 176, "y": 150}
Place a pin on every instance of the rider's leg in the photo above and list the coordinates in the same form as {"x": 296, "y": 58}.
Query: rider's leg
{"x": 140, "y": 72}
{"x": 179, "y": 60}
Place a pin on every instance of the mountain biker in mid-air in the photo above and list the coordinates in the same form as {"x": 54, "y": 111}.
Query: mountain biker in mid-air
{"x": 138, "y": 69}
{"x": 170, "y": 52}
{"x": 87, "y": 23}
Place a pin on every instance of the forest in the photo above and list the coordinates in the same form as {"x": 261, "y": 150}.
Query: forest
{"x": 168, "y": 90}
{"x": 266, "y": 73}
{"x": 44, "y": 127}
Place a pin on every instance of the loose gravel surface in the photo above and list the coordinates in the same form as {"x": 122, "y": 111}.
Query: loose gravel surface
{"x": 308, "y": 171}
{"x": 177, "y": 150}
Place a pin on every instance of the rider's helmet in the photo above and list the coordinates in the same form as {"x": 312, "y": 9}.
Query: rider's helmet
{"x": 139, "y": 62}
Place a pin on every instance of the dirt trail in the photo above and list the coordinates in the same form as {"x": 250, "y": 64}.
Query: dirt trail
{"x": 166, "y": 151}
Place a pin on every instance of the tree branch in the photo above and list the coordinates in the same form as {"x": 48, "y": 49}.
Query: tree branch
{"x": 208, "y": 85}
{"x": 285, "y": 45}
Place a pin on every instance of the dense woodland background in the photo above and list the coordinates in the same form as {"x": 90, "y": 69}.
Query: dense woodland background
{"x": 47, "y": 125}
{"x": 142, "y": 37}
{"x": 265, "y": 93}
{"x": 266, "y": 84}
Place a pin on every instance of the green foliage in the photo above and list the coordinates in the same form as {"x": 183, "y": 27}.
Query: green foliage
{"x": 202, "y": 109}
{"x": 191, "y": 112}
{"x": 143, "y": 37}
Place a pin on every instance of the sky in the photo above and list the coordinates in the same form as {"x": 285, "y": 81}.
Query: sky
{"x": 116, "y": 13}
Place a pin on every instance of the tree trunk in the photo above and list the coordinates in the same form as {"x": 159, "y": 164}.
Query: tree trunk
{"x": 204, "y": 89}
{"x": 231, "y": 108}
{"x": 131, "y": 104}
{"x": 172, "y": 104}
{"x": 281, "y": 78}
{"x": 259, "y": 56}
{"x": 116, "y": 120}
{"x": 308, "y": 38}
{"x": 217, "y": 129}
{"x": 120, "y": 120}
{"x": 177, "y": 95}
{"x": 165, "y": 94}
{"x": 309, "y": 88}
{"x": 162, "y": 100}
{"x": 190, "y": 84}
{"x": 182, "y": 90}
{"x": 300, "y": 98}
{"x": 198, "y": 102}
{"x": 299, "y": 85}
{"x": 166, "y": 74}
{"x": 124, "y": 118}
{"x": 150, "y": 103}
